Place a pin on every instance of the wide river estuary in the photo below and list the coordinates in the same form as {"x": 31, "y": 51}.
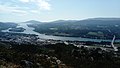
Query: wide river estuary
{"x": 30, "y": 30}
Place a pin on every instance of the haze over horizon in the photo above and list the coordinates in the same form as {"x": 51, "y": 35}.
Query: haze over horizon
{"x": 51, "y": 10}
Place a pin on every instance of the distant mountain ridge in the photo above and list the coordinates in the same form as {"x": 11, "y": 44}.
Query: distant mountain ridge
{"x": 6, "y": 25}
{"x": 87, "y": 28}
{"x": 105, "y": 18}
{"x": 58, "y": 21}
{"x": 33, "y": 21}
{"x": 103, "y": 28}
{"x": 63, "y": 21}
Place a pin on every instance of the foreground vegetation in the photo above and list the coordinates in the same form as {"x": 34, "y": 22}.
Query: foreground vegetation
{"x": 55, "y": 56}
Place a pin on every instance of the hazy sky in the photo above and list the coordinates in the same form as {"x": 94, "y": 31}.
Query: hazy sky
{"x": 49, "y": 10}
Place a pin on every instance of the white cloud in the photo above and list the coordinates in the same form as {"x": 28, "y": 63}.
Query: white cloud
{"x": 34, "y": 11}
{"x": 25, "y": 1}
{"x": 8, "y": 9}
{"x": 17, "y": 6}
{"x": 42, "y": 4}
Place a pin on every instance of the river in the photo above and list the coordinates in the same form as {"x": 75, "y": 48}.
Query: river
{"x": 30, "y": 30}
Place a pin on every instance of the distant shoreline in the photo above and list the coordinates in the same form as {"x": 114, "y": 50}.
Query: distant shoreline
{"x": 79, "y": 36}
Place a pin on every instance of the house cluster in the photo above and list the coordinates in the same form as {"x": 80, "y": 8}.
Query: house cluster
{"x": 33, "y": 39}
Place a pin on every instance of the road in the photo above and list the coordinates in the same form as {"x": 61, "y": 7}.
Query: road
{"x": 112, "y": 44}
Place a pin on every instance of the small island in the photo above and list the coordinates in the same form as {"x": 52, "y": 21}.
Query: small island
{"x": 19, "y": 29}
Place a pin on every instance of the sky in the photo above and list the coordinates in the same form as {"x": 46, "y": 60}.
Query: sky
{"x": 51, "y": 10}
